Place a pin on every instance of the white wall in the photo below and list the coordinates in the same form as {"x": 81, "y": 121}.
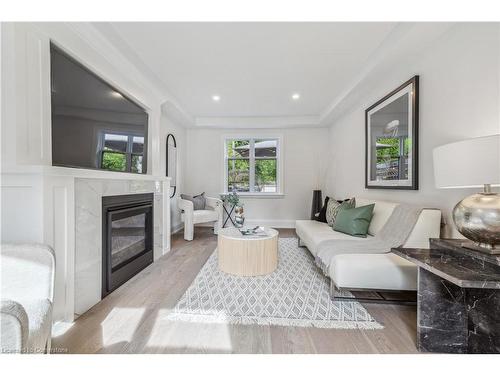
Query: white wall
{"x": 303, "y": 153}
{"x": 169, "y": 125}
{"x": 459, "y": 99}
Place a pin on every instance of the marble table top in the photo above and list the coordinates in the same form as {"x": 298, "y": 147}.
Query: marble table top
{"x": 457, "y": 245}
{"x": 458, "y": 267}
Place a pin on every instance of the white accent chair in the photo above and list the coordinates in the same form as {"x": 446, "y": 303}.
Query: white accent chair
{"x": 27, "y": 297}
{"x": 190, "y": 216}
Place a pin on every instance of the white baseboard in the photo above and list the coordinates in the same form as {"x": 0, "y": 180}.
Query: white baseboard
{"x": 176, "y": 228}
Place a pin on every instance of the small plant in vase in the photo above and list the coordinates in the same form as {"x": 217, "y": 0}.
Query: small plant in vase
{"x": 233, "y": 200}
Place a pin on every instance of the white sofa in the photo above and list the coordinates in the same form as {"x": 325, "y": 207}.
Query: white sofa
{"x": 27, "y": 292}
{"x": 386, "y": 271}
{"x": 190, "y": 216}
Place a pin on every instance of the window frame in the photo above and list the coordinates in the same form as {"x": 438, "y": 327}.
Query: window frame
{"x": 129, "y": 154}
{"x": 252, "y": 158}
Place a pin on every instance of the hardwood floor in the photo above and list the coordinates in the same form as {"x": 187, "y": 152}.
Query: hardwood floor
{"x": 130, "y": 319}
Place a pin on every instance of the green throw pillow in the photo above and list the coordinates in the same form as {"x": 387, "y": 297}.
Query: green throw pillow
{"x": 354, "y": 221}
{"x": 334, "y": 207}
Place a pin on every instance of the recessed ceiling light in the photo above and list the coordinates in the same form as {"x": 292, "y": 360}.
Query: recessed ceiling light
{"x": 296, "y": 96}
{"x": 215, "y": 98}
{"x": 116, "y": 94}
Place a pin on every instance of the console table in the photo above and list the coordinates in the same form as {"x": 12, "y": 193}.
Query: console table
{"x": 458, "y": 301}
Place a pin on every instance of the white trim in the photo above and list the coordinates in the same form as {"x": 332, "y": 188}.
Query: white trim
{"x": 258, "y": 122}
{"x": 261, "y": 195}
{"x": 46, "y": 170}
{"x": 177, "y": 228}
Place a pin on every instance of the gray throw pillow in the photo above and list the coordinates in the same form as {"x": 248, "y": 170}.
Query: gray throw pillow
{"x": 334, "y": 207}
{"x": 199, "y": 201}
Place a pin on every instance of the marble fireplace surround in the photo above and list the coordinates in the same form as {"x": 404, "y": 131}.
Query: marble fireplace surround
{"x": 88, "y": 233}
{"x": 61, "y": 207}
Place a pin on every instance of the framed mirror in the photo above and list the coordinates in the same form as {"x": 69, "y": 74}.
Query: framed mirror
{"x": 391, "y": 139}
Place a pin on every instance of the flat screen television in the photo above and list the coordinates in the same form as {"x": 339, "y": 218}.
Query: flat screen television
{"x": 94, "y": 125}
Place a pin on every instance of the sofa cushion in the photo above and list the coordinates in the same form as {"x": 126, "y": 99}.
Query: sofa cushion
{"x": 203, "y": 216}
{"x": 381, "y": 213}
{"x": 373, "y": 271}
{"x": 312, "y": 233}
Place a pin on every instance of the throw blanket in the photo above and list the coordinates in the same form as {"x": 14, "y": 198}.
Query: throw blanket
{"x": 394, "y": 233}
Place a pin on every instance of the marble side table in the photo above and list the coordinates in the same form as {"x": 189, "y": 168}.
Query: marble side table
{"x": 458, "y": 298}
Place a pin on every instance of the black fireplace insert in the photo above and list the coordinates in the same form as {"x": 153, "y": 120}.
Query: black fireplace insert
{"x": 127, "y": 238}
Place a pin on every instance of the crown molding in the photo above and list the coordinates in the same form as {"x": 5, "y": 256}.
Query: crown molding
{"x": 404, "y": 40}
{"x": 402, "y": 43}
{"x": 176, "y": 114}
{"x": 389, "y": 43}
{"x": 170, "y": 105}
{"x": 258, "y": 122}
{"x": 107, "y": 50}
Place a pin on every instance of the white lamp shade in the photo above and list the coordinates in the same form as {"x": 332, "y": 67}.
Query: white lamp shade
{"x": 469, "y": 163}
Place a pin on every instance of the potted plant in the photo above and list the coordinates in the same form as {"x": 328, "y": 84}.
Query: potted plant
{"x": 233, "y": 199}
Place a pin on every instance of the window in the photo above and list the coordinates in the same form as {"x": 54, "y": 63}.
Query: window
{"x": 122, "y": 153}
{"x": 252, "y": 165}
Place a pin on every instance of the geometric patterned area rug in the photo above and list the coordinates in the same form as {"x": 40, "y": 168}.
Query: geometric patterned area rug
{"x": 296, "y": 294}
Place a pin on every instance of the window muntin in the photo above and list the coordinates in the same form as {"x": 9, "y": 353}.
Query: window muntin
{"x": 252, "y": 165}
{"x": 122, "y": 152}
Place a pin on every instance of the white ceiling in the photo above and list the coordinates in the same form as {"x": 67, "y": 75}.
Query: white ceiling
{"x": 253, "y": 67}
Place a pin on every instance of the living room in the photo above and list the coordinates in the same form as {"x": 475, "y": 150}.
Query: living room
{"x": 250, "y": 187}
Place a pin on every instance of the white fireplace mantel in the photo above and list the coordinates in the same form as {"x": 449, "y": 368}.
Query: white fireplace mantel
{"x": 39, "y": 204}
{"x": 48, "y": 170}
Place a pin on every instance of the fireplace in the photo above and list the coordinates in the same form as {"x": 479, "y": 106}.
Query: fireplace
{"x": 127, "y": 238}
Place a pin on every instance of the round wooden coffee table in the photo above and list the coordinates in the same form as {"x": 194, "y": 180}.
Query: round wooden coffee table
{"x": 247, "y": 255}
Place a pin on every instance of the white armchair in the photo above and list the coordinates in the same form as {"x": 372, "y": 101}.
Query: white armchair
{"x": 27, "y": 278}
{"x": 190, "y": 216}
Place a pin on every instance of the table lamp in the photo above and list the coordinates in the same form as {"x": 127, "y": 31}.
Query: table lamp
{"x": 473, "y": 163}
